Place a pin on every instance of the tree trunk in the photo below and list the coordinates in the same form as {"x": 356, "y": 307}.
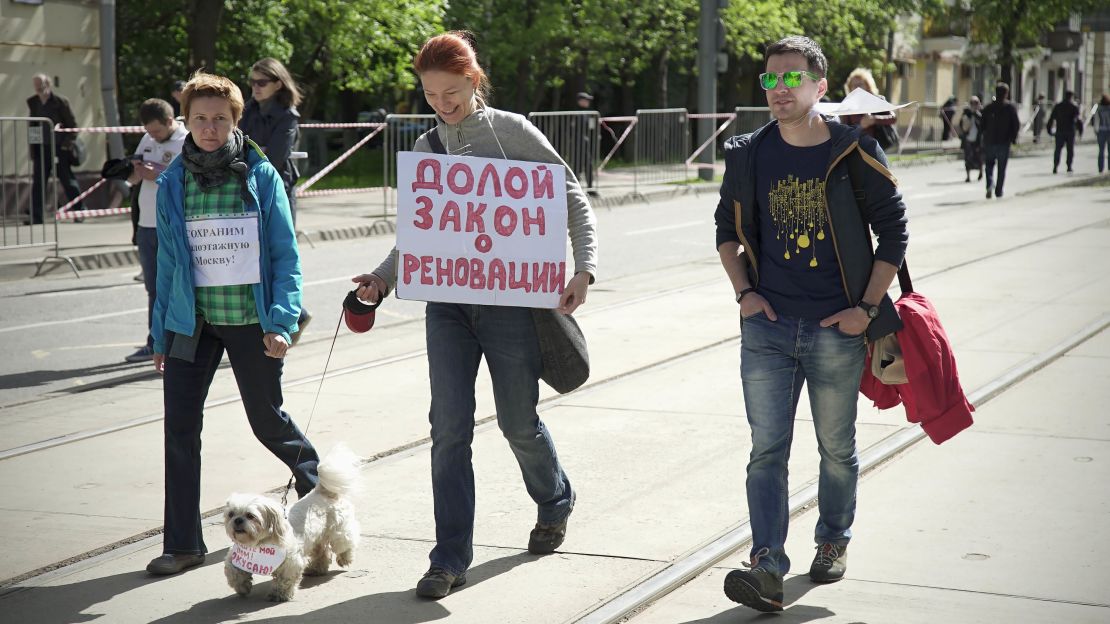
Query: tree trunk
{"x": 664, "y": 65}
{"x": 1009, "y": 35}
{"x": 204, "y": 26}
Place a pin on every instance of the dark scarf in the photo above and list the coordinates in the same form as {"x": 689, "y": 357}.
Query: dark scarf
{"x": 212, "y": 169}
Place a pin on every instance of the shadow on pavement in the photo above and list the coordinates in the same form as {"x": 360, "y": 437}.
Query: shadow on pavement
{"x": 64, "y": 604}
{"x": 32, "y": 379}
{"x": 402, "y": 607}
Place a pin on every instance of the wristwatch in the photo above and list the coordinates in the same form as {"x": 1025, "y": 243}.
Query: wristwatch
{"x": 871, "y": 310}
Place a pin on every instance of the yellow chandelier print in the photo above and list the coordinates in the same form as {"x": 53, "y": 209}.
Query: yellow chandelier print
{"x": 798, "y": 211}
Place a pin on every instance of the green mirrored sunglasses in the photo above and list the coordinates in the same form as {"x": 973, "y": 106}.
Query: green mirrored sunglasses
{"x": 791, "y": 79}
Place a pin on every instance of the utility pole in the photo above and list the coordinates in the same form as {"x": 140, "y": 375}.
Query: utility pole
{"x": 108, "y": 75}
{"x": 711, "y": 41}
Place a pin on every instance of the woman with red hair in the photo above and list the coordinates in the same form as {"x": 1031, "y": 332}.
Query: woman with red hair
{"x": 459, "y": 335}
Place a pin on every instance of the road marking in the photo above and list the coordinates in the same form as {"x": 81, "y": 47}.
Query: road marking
{"x": 83, "y": 319}
{"x": 664, "y": 228}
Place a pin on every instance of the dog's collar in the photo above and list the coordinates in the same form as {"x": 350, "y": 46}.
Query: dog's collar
{"x": 262, "y": 559}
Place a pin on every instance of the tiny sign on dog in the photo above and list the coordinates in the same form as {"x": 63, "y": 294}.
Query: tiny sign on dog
{"x": 257, "y": 560}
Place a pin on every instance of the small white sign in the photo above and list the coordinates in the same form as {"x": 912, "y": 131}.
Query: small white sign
{"x": 224, "y": 250}
{"x": 481, "y": 230}
{"x": 257, "y": 559}
{"x": 34, "y": 135}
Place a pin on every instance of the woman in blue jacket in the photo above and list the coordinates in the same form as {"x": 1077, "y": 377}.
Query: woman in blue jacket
{"x": 229, "y": 279}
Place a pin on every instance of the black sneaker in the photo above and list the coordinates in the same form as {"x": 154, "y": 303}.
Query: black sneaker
{"x": 988, "y": 192}
{"x": 759, "y": 589}
{"x": 302, "y": 323}
{"x": 545, "y": 538}
{"x": 437, "y": 583}
{"x": 829, "y": 564}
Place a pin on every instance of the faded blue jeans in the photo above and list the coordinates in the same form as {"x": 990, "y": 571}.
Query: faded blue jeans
{"x": 775, "y": 358}
{"x": 458, "y": 336}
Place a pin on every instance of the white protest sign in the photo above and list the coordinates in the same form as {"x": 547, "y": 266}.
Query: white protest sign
{"x": 224, "y": 250}
{"x": 257, "y": 559}
{"x": 480, "y": 230}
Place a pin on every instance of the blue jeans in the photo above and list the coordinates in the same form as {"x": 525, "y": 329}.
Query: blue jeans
{"x": 775, "y": 358}
{"x": 458, "y": 336}
{"x": 996, "y": 152}
{"x": 147, "y": 240}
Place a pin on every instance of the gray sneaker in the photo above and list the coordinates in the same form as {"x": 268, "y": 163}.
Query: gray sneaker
{"x": 437, "y": 583}
{"x": 545, "y": 538}
{"x": 759, "y": 589}
{"x": 143, "y": 354}
{"x": 829, "y": 564}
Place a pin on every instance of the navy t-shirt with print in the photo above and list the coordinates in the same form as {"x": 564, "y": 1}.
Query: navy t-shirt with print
{"x": 798, "y": 270}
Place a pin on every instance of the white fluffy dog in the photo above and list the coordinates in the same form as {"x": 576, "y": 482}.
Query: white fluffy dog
{"x": 319, "y": 525}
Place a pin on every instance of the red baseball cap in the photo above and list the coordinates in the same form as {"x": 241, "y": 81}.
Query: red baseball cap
{"x": 359, "y": 316}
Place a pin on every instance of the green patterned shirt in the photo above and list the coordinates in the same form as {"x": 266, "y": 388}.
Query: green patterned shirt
{"x": 220, "y": 305}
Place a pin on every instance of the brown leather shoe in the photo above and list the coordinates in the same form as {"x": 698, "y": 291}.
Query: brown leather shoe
{"x": 167, "y": 564}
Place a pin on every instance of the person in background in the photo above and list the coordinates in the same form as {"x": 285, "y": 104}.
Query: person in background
{"x": 271, "y": 120}
{"x": 178, "y": 87}
{"x": 970, "y": 130}
{"x": 1102, "y": 124}
{"x": 247, "y": 307}
{"x": 879, "y": 126}
{"x": 157, "y": 149}
{"x": 1038, "y": 118}
{"x": 947, "y": 115}
{"x": 1000, "y": 131}
{"x": 1064, "y": 122}
{"x": 46, "y": 103}
{"x": 585, "y": 102}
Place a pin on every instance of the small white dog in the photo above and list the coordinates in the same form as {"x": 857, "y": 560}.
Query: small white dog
{"x": 319, "y": 525}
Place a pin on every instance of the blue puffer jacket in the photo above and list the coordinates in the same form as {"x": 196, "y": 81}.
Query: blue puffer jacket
{"x": 277, "y": 297}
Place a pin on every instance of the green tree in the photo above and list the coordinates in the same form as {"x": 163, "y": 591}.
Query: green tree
{"x": 1011, "y": 23}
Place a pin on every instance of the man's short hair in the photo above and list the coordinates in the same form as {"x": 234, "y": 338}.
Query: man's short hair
{"x": 1001, "y": 91}
{"x": 796, "y": 44}
{"x": 1068, "y": 95}
{"x": 155, "y": 109}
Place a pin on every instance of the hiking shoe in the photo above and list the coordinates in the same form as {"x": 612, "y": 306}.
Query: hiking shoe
{"x": 545, "y": 538}
{"x": 143, "y": 354}
{"x": 759, "y": 589}
{"x": 167, "y": 564}
{"x": 829, "y": 564}
{"x": 302, "y": 323}
{"x": 437, "y": 583}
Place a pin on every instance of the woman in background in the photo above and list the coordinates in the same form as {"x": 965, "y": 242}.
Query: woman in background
{"x": 271, "y": 120}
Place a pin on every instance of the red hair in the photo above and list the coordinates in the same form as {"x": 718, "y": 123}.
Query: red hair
{"x": 453, "y": 52}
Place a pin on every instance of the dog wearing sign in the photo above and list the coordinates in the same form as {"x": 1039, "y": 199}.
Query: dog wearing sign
{"x": 319, "y": 526}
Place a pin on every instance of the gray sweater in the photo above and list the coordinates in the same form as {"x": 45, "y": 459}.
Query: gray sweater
{"x": 520, "y": 140}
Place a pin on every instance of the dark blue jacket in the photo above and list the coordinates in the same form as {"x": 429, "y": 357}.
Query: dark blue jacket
{"x": 276, "y": 128}
{"x": 875, "y": 202}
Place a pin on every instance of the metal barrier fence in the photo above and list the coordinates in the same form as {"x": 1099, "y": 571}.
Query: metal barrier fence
{"x": 27, "y": 147}
{"x": 749, "y": 119}
{"x": 401, "y": 132}
{"x": 576, "y": 136}
{"x": 661, "y": 145}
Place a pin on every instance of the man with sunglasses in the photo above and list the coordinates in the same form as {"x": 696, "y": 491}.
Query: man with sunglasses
{"x": 792, "y": 233}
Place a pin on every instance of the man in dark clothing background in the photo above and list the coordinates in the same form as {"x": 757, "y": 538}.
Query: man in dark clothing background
{"x": 46, "y": 103}
{"x": 1063, "y": 122}
{"x": 1000, "y": 130}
